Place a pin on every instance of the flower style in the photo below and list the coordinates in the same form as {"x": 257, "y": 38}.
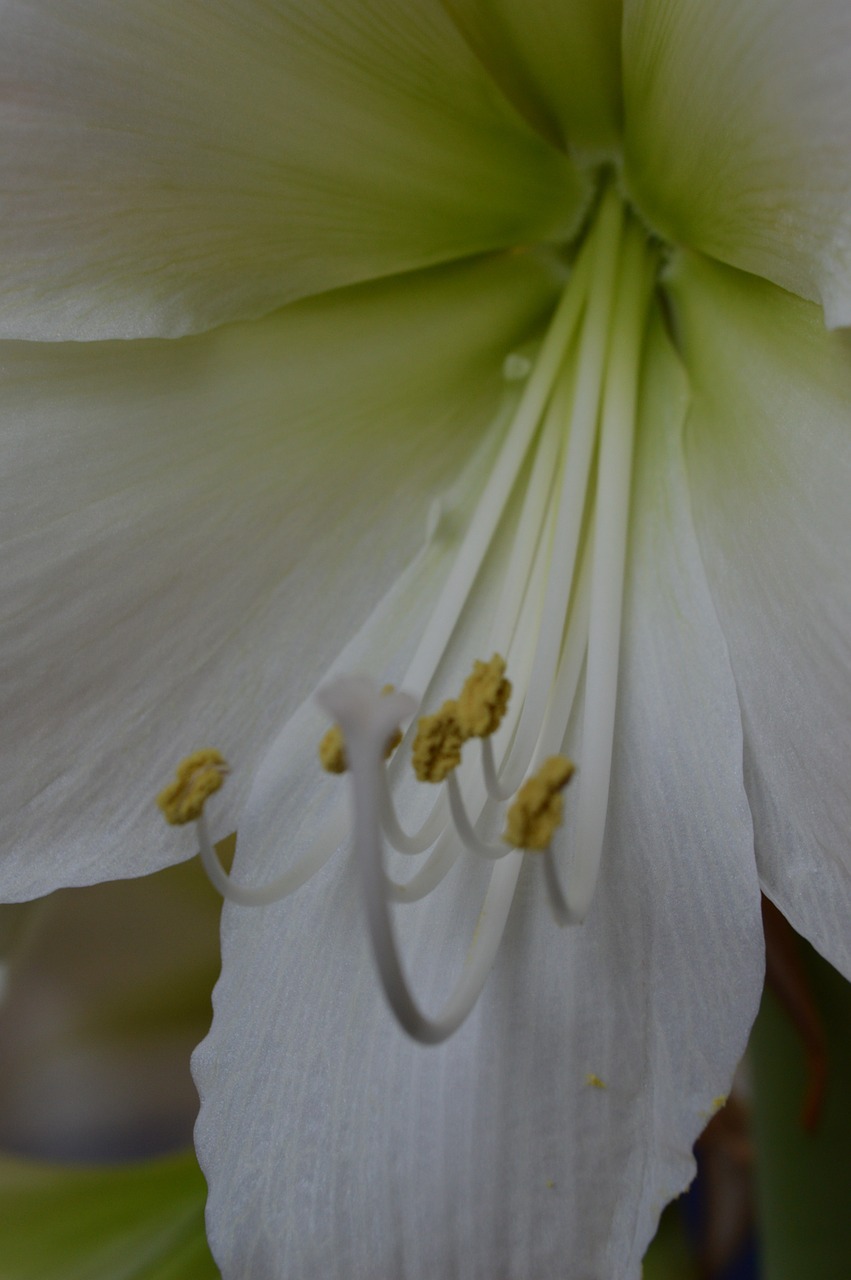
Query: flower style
{"x": 623, "y": 227}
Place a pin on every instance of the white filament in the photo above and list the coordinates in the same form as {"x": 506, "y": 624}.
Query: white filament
{"x": 609, "y": 560}
{"x": 560, "y": 608}
{"x": 574, "y": 484}
{"x": 491, "y": 505}
{"x": 332, "y": 831}
{"x": 465, "y": 829}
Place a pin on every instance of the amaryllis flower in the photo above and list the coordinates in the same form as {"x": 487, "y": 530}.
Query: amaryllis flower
{"x": 352, "y": 344}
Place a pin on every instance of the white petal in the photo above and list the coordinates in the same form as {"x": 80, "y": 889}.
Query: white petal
{"x": 193, "y": 530}
{"x": 335, "y": 1147}
{"x": 175, "y": 165}
{"x": 739, "y": 135}
{"x": 769, "y": 454}
{"x": 558, "y": 63}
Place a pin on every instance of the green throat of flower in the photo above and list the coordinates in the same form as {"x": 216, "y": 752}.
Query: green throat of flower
{"x": 570, "y": 442}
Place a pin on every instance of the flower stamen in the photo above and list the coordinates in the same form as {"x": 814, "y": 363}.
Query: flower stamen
{"x": 617, "y": 434}
{"x": 562, "y": 478}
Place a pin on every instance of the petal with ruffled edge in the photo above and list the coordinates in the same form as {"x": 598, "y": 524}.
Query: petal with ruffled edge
{"x": 336, "y": 1147}
{"x": 769, "y": 456}
{"x": 178, "y": 165}
{"x": 192, "y": 529}
{"x": 558, "y": 63}
{"x": 739, "y": 135}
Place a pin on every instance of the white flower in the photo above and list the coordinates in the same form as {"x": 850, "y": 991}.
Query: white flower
{"x": 198, "y": 527}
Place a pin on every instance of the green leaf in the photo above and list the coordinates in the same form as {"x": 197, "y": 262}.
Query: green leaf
{"x": 133, "y": 1222}
{"x": 804, "y": 1191}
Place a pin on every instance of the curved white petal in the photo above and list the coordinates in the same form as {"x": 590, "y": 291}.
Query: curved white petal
{"x": 193, "y": 529}
{"x": 172, "y": 165}
{"x": 558, "y": 63}
{"x": 739, "y": 135}
{"x": 769, "y": 456}
{"x": 335, "y": 1147}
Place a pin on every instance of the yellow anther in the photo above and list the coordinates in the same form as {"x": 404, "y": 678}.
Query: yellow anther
{"x": 437, "y": 746}
{"x": 394, "y": 740}
{"x": 483, "y": 700}
{"x": 538, "y": 807}
{"x": 332, "y": 751}
{"x": 197, "y": 777}
{"x": 332, "y": 748}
